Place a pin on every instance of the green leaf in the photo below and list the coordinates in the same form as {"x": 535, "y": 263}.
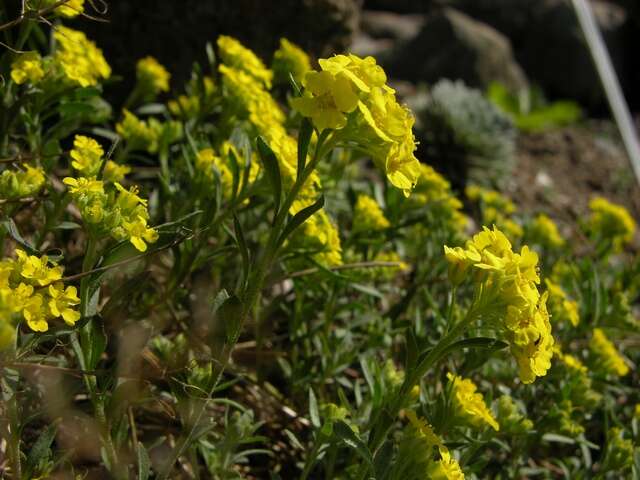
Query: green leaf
{"x": 230, "y": 313}
{"x": 557, "y": 438}
{"x": 294, "y": 85}
{"x": 382, "y": 460}
{"x": 41, "y": 450}
{"x": 344, "y": 432}
{"x": 244, "y": 250}
{"x": 313, "y": 409}
{"x": 304, "y": 138}
{"x": 11, "y": 228}
{"x": 272, "y": 169}
{"x": 299, "y": 218}
{"x": 144, "y": 464}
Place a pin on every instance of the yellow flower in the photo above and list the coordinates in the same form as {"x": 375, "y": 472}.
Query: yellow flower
{"x": 495, "y": 209}
{"x": 469, "y": 404}
{"x": 290, "y": 58}
{"x": 139, "y": 233}
{"x": 609, "y": 359}
{"x": 235, "y": 55}
{"x": 35, "y": 314}
{"x": 508, "y": 282}
{"x": 61, "y": 300}
{"x": 153, "y": 77}
{"x": 543, "y": 231}
{"x": 424, "y": 429}
{"x": 21, "y": 183}
{"x": 114, "y": 172}
{"x": 128, "y": 200}
{"x": 563, "y": 309}
{"x": 83, "y": 186}
{"x": 368, "y": 216}
{"x": 81, "y": 61}
{"x": 327, "y": 100}
{"x": 447, "y": 468}
{"x": 138, "y": 133}
{"x": 322, "y": 235}
{"x": 71, "y": 9}
{"x": 610, "y": 221}
{"x": 37, "y": 269}
{"x": 27, "y": 67}
{"x": 636, "y": 412}
{"x": 86, "y": 155}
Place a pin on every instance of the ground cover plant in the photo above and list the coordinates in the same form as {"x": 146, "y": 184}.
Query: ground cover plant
{"x": 253, "y": 276}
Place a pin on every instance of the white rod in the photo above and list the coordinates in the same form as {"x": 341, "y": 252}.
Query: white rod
{"x": 610, "y": 82}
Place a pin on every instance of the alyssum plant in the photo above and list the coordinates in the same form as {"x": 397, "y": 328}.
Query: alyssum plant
{"x": 216, "y": 286}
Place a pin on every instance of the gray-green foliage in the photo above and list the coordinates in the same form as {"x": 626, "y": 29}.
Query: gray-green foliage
{"x": 465, "y": 134}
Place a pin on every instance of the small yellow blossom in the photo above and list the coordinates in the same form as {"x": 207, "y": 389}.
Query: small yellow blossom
{"x": 152, "y": 76}
{"x": 469, "y": 404}
{"x": 543, "y": 231}
{"x": 139, "y": 233}
{"x": 290, "y": 58}
{"x": 27, "y": 67}
{"x": 608, "y": 357}
{"x": 21, "y": 183}
{"x": 138, "y": 133}
{"x": 71, "y": 9}
{"x": 610, "y": 221}
{"x": 61, "y": 301}
{"x": 37, "y": 269}
{"x": 368, "y": 216}
{"x": 86, "y": 155}
{"x": 114, "y": 172}
{"x": 81, "y": 61}
{"x": 82, "y": 185}
{"x": 235, "y": 55}
{"x": 447, "y": 468}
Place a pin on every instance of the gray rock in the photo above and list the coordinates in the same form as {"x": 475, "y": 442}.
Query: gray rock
{"x": 379, "y": 24}
{"x": 453, "y": 45}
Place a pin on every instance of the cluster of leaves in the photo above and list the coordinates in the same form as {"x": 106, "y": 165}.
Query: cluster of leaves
{"x": 211, "y": 284}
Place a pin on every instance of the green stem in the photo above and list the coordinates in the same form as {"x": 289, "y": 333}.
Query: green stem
{"x": 251, "y": 293}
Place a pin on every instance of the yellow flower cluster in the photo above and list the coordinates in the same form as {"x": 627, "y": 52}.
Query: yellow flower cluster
{"x": 610, "y": 221}
{"x": 192, "y": 105}
{"x": 31, "y": 289}
{"x": 289, "y": 58}
{"x": 544, "y": 232}
{"x": 321, "y": 234}
{"x": 562, "y": 418}
{"x": 562, "y": 308}
{"x": 210, "y": 164}
{"x": 27, "y": 67}
{"x": 237, "y": 56}
{"x": 509, "y": 292}
{"x": 152, "y": 76}
{"x": 495, "y": 209}
{"x": 469, "y": 404}
{"x": 368, "y": 217}
{"x": 71, "y": 9}
{"x": 120, "y": 213}
{"x": 511, "y": 419}
{"x": 86, "y": 155}
{"x": 433, "y": 189}
{"x": 349, "y": 94}
{"x": 447, "y": 467}
{"x": 147, "y": 135}
{"x": 21, "y": 183}
{"x": 81, "y": 61}
{"x": 608, "y": 358}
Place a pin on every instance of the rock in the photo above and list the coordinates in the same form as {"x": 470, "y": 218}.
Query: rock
{"x": 363, "y": 45}
{"x": 453, "y": 45}
{"x": 176, "y": 32}
{"x": 547, "y": 40}
{"x": 390, "y": 25}
{"x": 555, "y": 54}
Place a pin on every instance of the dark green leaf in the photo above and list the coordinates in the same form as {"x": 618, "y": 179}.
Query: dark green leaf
{"x": 304, "y": 138}
{"x": 144, "y": 464}
{"x": 40, "y": 450}
{"x": 272, "y": 169}
{"x": 344, "y": 432}
{"x": 244, "y": 250}
{"x": 313, "y": 409}
{"x": 299, "y": 218}
{"x": 11, "y": 228}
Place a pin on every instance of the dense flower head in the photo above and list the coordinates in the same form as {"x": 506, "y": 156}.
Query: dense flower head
{"x": 564, "y": 420}
{"x": 70, "y": 9}
{"x": 511, "y": 418}
{"x": 152, "y": 76}
{"x": 368, "y": 216}
{"x": 610, "y": 221}
{"x": 608, "y": 358}
{"x": 212, "y": 164}
{"x": 236, "y": 55}
{"x": 31, "y": 289}
{"x": 289, "y": 58}
{"x": 138, "y": 134}
{"x": 562, "y": 308}
{"x": 544, "y": 232}
{"x": 27, "y": 67}
{"x": 21, "y": 183}
{"x": 495, "y": 209}
{"x": 81, "y": 61}
{"x": 319, "y": 235}
{"x": 200, "y": 95}
{"x": 445, "y": 467}
{"x": 509, "y": 293}
{"x": 620, "y": 451}
{"x": 349, "y": 94}
{"x": 86, "y": 155}
{"x": 114, "y": 172}
{"x": 469, "y": 404}
{"x": 434, "y": 190}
